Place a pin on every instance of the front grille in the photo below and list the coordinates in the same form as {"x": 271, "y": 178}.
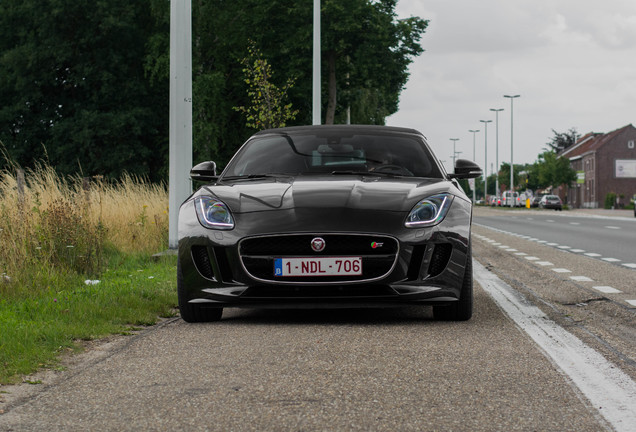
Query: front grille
{"x": 379, "y": 254}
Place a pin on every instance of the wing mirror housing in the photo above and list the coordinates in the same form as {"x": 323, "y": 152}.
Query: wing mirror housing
{"x": 205, "y": 172}
{"x": 466, "y": 169}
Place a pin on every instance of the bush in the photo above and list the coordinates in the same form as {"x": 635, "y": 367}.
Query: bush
{"x": 54, "y": 228}
{"x": 610, "y": 200}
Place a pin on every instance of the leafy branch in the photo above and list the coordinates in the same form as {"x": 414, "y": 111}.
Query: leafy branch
{"x": 267, "y": 109}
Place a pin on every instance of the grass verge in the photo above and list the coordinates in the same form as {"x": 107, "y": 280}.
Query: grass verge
{"x": 34, "y": 330}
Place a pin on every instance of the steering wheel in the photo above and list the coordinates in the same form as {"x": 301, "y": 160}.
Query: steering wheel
{"x": 392, "y": 169}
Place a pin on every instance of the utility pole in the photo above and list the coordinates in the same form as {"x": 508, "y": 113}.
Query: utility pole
{"x": 316, "y": 103}
{"x": 474, "y": 132}
{"x": 496, "y": 149}
{"x": 485, "y": 122}
{"x": 512, "y": 181}
{"x": 180, "y": 146}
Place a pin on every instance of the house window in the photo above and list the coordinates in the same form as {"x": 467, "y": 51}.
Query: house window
{"x": 630, "y": 144}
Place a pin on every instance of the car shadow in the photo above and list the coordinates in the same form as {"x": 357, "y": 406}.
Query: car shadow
{"x": 375, "y": 316}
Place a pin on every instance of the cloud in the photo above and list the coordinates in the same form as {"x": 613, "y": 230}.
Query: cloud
{"x": 572, "y": 61}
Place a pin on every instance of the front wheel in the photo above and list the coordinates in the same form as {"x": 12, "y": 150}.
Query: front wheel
{"x": 190, "y": 312}
{"x": 461, "y": 310}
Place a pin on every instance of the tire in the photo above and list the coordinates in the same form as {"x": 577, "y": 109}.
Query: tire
{"x": 193, "y": 313}
{"x": 461, "y": 310}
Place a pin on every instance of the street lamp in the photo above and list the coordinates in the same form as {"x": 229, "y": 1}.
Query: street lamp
{"x": 512, "y": 98}
{"x": 496, "y": 149}
{"x": 474, "y": 157}
{"x": 316, "y": 103}
{"x": 485, "y": 122}
{"x": 454, "y": 140}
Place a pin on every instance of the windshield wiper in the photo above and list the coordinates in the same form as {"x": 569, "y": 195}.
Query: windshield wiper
{"x": 255, "y": 176}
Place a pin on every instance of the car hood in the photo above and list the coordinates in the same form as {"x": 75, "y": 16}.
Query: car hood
{"x": 359, "y": 192}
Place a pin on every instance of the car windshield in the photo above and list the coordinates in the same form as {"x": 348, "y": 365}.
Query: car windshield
{"x": 381, "y": 154}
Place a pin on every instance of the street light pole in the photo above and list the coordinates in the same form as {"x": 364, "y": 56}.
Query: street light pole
{"x": 474, "y": 157}
{"x": 496, "y": 149}
{"x": 316, "y": 103}
{"x": 512, "y": 98}
{"x": 454, "y": 140}
{"x": 485, "y": 122}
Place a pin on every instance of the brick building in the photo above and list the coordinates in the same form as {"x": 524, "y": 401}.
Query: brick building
{"x": 605, "y": 163}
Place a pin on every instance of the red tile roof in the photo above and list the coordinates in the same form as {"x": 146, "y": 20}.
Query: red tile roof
{"x": 591, "y": 142}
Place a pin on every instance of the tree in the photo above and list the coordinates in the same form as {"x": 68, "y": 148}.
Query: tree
{"x": 267, "y": 109}
{"x": 562, "y": 140}
{"x": 374, "y": 51}
{"x": 73, "y": 87}
{"x": 368, "y": 52}
{"x": 552, "y": 170}
{"x": 504, "y": 176}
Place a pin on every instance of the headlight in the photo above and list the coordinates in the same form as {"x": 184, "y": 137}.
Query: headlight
{"x": 429, "y": 211}
{"x": 213, "y": 213}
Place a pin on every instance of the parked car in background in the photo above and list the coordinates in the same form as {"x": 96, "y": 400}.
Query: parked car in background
{"x": 551, "y": 202}
{"x": 535, "y": 201}
{"x": 509, "y": 196}
{"x": 495, "y": 201}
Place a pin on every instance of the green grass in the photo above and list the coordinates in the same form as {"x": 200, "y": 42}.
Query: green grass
{"x": 35, "y": 327}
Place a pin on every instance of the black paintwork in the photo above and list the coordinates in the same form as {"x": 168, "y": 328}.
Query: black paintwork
{"x": 321, "y": 204}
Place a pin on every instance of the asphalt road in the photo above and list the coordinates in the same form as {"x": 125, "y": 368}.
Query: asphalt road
{"x": 611, "y": 239}
{"x": 347, "y": 370}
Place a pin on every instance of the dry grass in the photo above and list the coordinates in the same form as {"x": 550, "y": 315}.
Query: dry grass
{"x": 52, "y": 225}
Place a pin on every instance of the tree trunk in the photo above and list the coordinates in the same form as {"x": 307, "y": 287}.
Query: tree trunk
{"x": 331, "y": 105}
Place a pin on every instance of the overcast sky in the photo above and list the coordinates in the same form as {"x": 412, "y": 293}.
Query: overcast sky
{"x": 572, "y": 61}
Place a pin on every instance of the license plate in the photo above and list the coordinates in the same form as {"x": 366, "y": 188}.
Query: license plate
{"x": 323, "y": 266}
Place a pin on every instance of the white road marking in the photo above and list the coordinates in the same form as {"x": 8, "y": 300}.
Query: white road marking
{"x": 631, "y": 302}
{"x": 532, "y": 258}
{"x": 552, "y": 244}
{"x": 504, "y": 247}
{"x": 577, "y": 250}
{"x": 606, "y": 387}
{"x": 612, "y": 227}
{"x": 592, "y": 254}
{"x": 521, "y": 253}
{"x": 630, "y": 265}
{"x": 565, "y": 247}
{"x": 511, "y": 250}
{"x": 561, "y": 270}
{"x": 581, "y": 278}
{"x": 544, "y": 263}
{"x": 575, "y": 223}
{"x": 607, "y": 289}
{"x": 610, "y": 259}
{"x": 542, "y": 241}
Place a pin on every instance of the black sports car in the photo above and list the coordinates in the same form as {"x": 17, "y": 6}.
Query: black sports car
{"x": 327, "y": 217}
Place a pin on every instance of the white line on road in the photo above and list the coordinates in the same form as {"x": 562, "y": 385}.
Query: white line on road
{"x": 610, "y": 259}
{"x": 592, "y": 254}
{"x": 607, "y": 289}
{"x": 561, "y": 270}
{"x": 544, "y": 263}
{"x": 612, "y": 227}
{"x": 610, "y": 390}
{"x": 581, "y": 278}
{"x": 630, "y": 265}
{"x": 631, "y": 302}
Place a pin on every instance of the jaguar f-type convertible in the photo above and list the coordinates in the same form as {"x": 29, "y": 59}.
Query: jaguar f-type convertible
{"x": 327, "y": 217}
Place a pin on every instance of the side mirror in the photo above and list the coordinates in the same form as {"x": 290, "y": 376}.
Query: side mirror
{"x": 465, "y": 169}
{"x": 205, "y": 172}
